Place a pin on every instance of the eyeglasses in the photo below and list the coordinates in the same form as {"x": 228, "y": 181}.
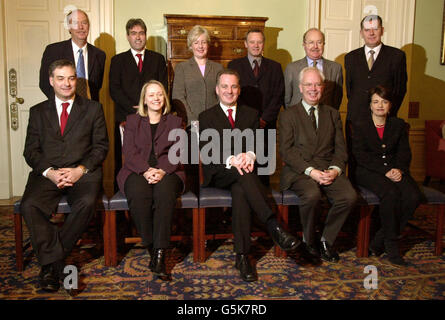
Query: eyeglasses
{"x": 312, "y": 43}
{"x": 317, "y": 85}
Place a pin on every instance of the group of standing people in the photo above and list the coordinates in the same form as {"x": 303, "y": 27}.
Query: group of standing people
{"x": 67, "y": 140}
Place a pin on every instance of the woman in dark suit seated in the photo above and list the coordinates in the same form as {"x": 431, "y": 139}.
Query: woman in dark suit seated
{"x": 195, "y": 79}
{"x": 149, "y": 180}
{"x": 381, "y": 149}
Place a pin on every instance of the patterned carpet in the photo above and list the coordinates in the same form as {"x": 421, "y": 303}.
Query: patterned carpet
{"x": 279, "y": 278}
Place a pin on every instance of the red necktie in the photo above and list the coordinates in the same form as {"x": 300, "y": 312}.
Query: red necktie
{"x": 256, "y": 68}
{"x": 232, "y": 122}
{"x": 64, "y": 117}
{"x": 139, "y": 62}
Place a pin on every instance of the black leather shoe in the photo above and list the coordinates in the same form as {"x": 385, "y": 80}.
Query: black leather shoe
{"x": 376, "y": 252}
{"x": 157, "y": 263}
{"x": 282, "y": 238}
{"x": 397, "y": 260}
{"x": 327, "y": 253}
{"x": 246, "y": 270}
{"x": 309, "y": 253}
{"x": 49, "y": 278}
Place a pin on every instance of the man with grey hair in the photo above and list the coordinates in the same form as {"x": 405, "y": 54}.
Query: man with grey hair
{"x": 129, "y": 71}
{"x": 373, "y": 64}
{"x": 88, "y": 59}
{"x": 313, "y": 44}
{"x": 313, "y": 150}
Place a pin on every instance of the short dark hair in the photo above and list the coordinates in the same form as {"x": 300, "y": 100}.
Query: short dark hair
{"x": 227, "y": 71}
{"x": 371, "y": 17}
{"x": 382, "y": 92}
{"x": 135, "y": 22}
{"x": 59, "y": 64}
{"x": 256, "y": 30}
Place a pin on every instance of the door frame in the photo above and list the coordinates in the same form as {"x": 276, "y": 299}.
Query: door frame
{"x": 106, "y": 21}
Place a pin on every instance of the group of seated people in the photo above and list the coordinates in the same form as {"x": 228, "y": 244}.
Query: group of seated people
{"x": 66, "y": 156}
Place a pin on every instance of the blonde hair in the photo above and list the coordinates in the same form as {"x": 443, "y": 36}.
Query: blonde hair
{"x": 142, "y": 109}
{"x": 195, "y": 33}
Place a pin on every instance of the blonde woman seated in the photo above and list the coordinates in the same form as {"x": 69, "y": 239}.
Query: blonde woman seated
{"x": 381, "y": 149}
{"x": 195, "y": 79}
{"x": 150, "y": 182}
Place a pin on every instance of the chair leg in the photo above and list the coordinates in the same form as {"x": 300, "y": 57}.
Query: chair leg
{"x": 18, "y": 241}
{"x": 110, "y": 245}
{"x": 196, "y": 235}
{"x": 201, "y": 236}
{"x": 439, "y": 229}
{"x": 363, "y": 231}
{"x": 283, "y": 217}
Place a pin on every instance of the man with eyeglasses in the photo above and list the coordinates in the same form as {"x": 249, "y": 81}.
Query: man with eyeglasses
{"x": 88, "y": 59}
{"x": 314, "y": 153}
{"x": 313, "y": 44}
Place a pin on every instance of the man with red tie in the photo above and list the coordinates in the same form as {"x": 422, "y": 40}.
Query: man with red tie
{"x": 236, "y": 171}
{"x": 66, "y": 143}
{"x": 129, "y": 71}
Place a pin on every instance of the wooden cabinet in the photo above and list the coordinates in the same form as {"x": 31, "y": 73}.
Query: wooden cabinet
{"x": 226, "y": 32}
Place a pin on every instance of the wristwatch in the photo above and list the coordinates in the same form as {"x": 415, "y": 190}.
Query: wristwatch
{"x": 84, "y": 170}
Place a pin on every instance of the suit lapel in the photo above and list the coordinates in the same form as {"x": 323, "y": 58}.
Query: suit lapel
{"x": 130, "y": 61}
{"x": 91, "y": 59}
{"x": 77, "y": 112}
{"x": 380, "y": 57}
{"x": 323, "y": 122}
{"x": 51, "y": 114}
{"x": 306, "y": 121}
{"x": 161, "y": 127}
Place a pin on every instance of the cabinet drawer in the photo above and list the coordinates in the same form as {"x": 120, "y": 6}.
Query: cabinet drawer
{"x": 220, "y": 49}
{"x": 215, "y": 32}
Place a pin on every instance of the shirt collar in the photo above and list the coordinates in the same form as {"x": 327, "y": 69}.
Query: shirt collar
{"x": 225, "y": 108}
{"x": 251, "y": 59}
{"x": 376, "y": 49}
{"x": 310, "y": 62}
{"x": 59, "y": 102}
{"x": 76, "y": 47}
{"x": 308, "y": 106}
{"x": 134, "y": 52}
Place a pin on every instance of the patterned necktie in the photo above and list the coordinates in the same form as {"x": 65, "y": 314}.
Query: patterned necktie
{"x": 63, "y": 117}
{"x": 139, "y": 62}
{"x": 312, "y": 116}
{"x": 371, "y": 59}
{"x": 81, "y": 85}
{"x": 256, "y": 68}
{"x": 315, "y": 63}
{"x": 80, "y": 70}
{"x": 232, "y": 122}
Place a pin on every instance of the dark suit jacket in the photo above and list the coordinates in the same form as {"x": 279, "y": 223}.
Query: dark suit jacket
{"x": 332, "y": 92}
{"x": 64, "y": 50}
{"x": 389, "y": 70}
{"x": 126, "y": 82}
{"x": 84, "y": 142}
{"x": 215, "y": 118}
{"x": 381, "y": 155}
{"x": 265, "y": 93}
{"x": 137, "y": 146}
{"x": 301, "y": 147}
{"x": 192, "y": 93}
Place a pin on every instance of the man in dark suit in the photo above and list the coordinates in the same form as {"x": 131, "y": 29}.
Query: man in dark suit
{"x": 262, "y": 83}
{"x": 65, "y": 146}
{"x": 314, "y": 152}
{"x": 129, "y": 71}
{"x": 373, "y": 64}
{"x": 235, "y": 171}
{"x": 313, "y": 44}
{"x": 88, "y": 59}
